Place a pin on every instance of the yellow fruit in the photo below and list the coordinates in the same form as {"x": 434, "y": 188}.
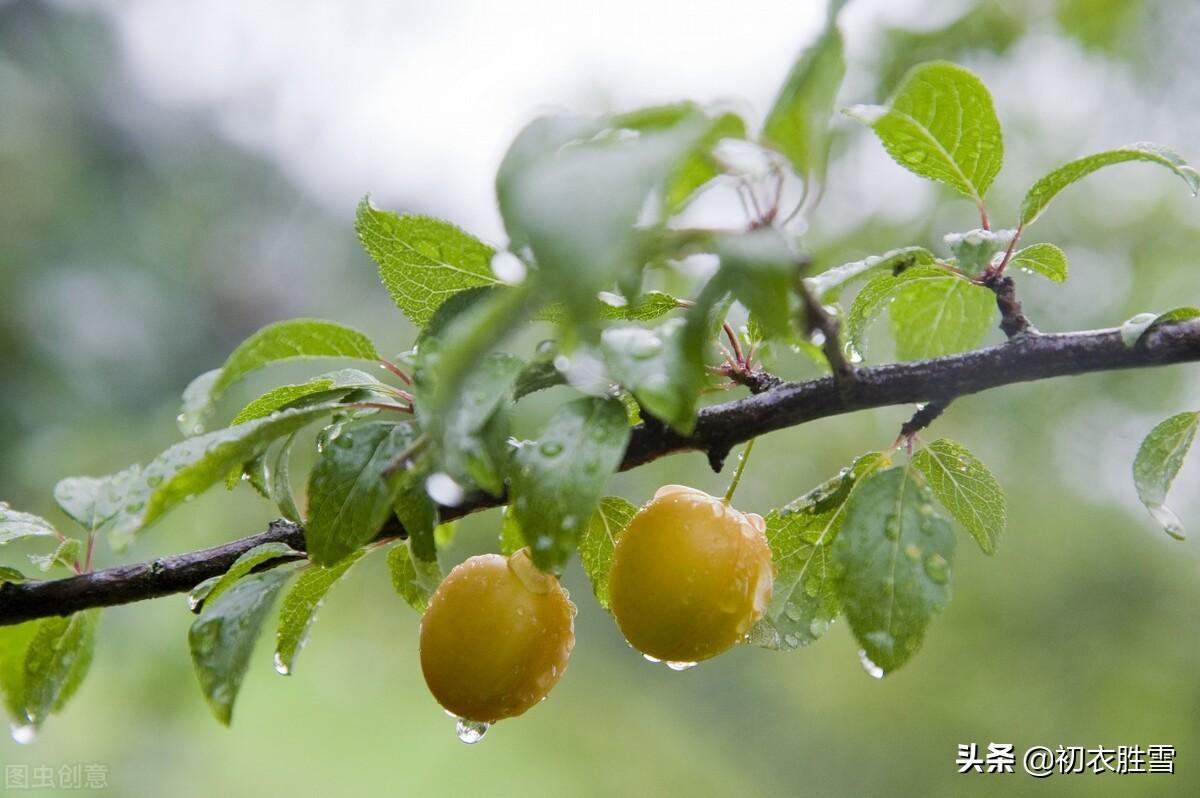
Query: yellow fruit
{"x": 496, "y": 637}
{"x": 690, "y": 576}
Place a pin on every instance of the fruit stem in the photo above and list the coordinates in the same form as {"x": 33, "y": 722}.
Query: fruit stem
{"x": 741, "y": 467}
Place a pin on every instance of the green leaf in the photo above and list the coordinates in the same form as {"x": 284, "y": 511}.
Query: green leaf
{"x": 1045, "y": 259}
{"x": 760, "y": 271}
{"x": 805, "y": 599}
{"x": 94, "y": 502}
{"x": 299, "y": 609}
{"x": 414, "y": 580}
{"x": 419, "y": 516}
{"x": 65, "y": 554}
{"x": 16, "y": 525}
{"x": 281, "y": 341}
{"x": 57, "y": 661}
{"x": 975, "y": 250}
{"x": 8, "y": 574}
{"x": 422, "y": 261}
{"x": 966, "y": 488}
{"x": 244, "y": 565}
{"x": 540, "y": 373}
{"x": 798, "y": 122}
{"x": 558, "y": 480}
{"x": 896, "y": 552}
{"x": 324, "y": 388}
{"x": 585, "y": 241}
{"x": 184, "y": 470}
{"x": 1174, "y": 316}
{"x": 281, "y": 482}
{"x": 222, "y": 638}
{"x": 14, "y": 647}
{"x": 1047, "y": 188}
{"x": 512, "y": 539}
{"x": 599, "y": 540}
{"x": 652, "y": 365}
{"x": 1158, "y": 461}
{"x": 934, "y": 312}
{"x": 649, "y": 306}
{"x": 941, "y": 125}
{"x": 350, "y": 492}
{"x": 828, "y": 284}
{"x": 474, "y": 430}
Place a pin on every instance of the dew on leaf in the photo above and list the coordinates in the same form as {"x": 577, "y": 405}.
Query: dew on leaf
{"x": 281, "y": 667}
{"x": 24, "y": 733}
{"x": 873, "y": 670}
{"x": 937, "y": 568}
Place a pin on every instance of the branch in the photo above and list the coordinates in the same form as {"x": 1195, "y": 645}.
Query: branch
{"x": 718, "y": 428}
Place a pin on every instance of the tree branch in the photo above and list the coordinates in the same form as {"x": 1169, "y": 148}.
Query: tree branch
{"x": 718, "y": 428}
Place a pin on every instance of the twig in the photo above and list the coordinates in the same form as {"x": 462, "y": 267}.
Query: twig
{"x": 815, "y": 318}
{"x": 718, "y": 428}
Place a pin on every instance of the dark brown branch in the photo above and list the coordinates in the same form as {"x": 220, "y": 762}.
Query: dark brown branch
{"x": 1022, "y": 359}
{"x": 817, "y": 319}
{"x": 1012, "y": 318}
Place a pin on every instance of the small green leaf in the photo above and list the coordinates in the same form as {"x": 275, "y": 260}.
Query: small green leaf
{"x": 281, "y": 341}
{"x": 512, "y": 539}
{"x": 1045, "y": 259}
{"x": 57, "y": 661}
{"x": 652, "y": 365}
{"x": 16, "y": 525}
{"x": 648, "y": 306}
{"x": 1158, "y": 461}
{"x": 798, "y": 122}
{"x": 281, "y": 482}
{"x": 222, "y": 638}
{"x": 418, "y": 514}
{"x": 828, "y": 284}
{"x": 805, "y": 599}
{"x": 1047, "y": 188}
{"x": 244, "y": 565}
{"x": 558, "y": 480}
{"x": 599, "y": 540}
{"x": 350, "y": 492}
{"x": 14, "y": 647}
{"x": 141, "y": 496}
{"x": 65, "y": 554}
{"x": 585, "y": 241}
{"x": 414, "y": 580}
{"x": 934, "y": 312}
{"x": 975, "y": 250}
{"x": 966, "y": 488}
{"x": 474, "y": 428}
{"x": 327, "y": 387}
{"x": 760, "y": 271}
{"x": 897, "y": 553}
{"x": 1175, "y": 316}
{"x": 422, "y": 261}
{"x": 95, "y": 502}
{"x": 299, "y": 609}
{"x": 8, "y": 574}
{"x": 941, "y": 125}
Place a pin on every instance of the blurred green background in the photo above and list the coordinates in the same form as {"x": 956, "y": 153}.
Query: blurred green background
{"x": 140, "y": 240}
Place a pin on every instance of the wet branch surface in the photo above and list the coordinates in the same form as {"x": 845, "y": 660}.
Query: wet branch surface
{"x": 1025, "y": 357}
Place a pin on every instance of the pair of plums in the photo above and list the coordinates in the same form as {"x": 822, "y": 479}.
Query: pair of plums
{"x": 690, "y": 575}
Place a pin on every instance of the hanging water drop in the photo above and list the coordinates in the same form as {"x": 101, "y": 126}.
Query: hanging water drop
{"x": 470, "y": 731}
{"x": 24, "y": 734}
{"x": 508, "y": 268}
{"x": 281, "y": 667}
{"x": 873, "y": 670}
{"x": 650, "y": 659}
{"x": 681, "y": 666}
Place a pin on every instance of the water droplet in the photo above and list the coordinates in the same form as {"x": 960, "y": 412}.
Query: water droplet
{"x": 892, "y": 528}
{"x": 134, "y": 507}
{"x": 194, "y": 601}
{"x": 873, "y": 670}
{"x": 819, "y": 626}
{"x": 817, "y": 338}
{"x": 1170, "y": 522}
{"x": 154, "y": 480}
{"x": 442, "y": 488}
{"x": 792, "y": 612}
{"x": 680, "y": 666}
{"x": 612, "y": 300}
{"x": 551, "y": 449}
{"x": 509, "y": 268}
{"x": 937, "y": 568}
{"x": 24, "y": 734}
{"x": 649, "y": 658}
{"x": 791, "y": 641}
{"x": 470, "y": 731}
{"x": 912, "y": 551}
{"x": 546, "y": 347}
{"x": 281, "y": 667}
{"x": 926, "y": 509}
